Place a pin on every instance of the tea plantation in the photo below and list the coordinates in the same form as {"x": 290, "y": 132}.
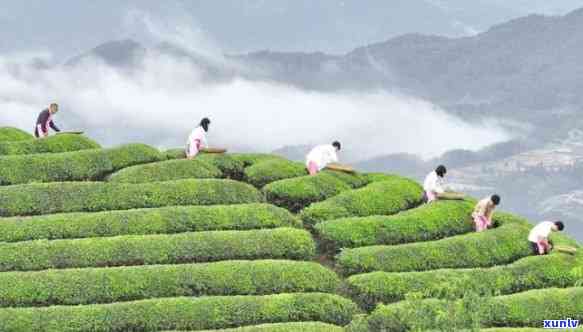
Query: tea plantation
{"x": 130, "y": 238}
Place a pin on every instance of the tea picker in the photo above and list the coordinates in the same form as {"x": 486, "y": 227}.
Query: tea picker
{"x": 325, "y": 156}
{"x": 44, "y": 121}
{"x": 434, "y": 187}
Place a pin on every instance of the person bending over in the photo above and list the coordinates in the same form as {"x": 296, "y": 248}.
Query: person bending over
{"x": 321, "y": 156}
{"x": 197, "y": 139}
{"x": 539, "y": 236}
{"x": 45, "y": 120}
{"x": 483, "y": 212}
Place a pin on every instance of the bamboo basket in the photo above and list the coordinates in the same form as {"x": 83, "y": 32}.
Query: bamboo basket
{"x": 213, "y": 150}
{"x": 566, "y": 249}
{"x": 451, "y": 196}
{"x": 70, "y": 132}
{"x": 340, "y": 168}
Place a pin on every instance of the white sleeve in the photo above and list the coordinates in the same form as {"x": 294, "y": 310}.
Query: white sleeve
{"x": 203, "y": 141}
{"x": 439, "y": 186}
{"x": 334, "y": 157}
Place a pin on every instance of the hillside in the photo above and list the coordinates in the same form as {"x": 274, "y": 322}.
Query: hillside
{"x": 131, "y": 238}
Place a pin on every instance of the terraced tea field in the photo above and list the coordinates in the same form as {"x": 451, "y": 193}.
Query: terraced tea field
{"x": 131, "y": 238}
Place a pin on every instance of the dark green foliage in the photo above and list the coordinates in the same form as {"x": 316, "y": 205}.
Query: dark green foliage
{"x": 250, "y": 159}
{"x": 167, "y": 171}
{"x": 167, "y": 220}
{"x": 177, "y": 153}
{"x": 428, "y": 222}
{"x": 53, "y": 144}
{"x": 265, "y": 172}
{"x": 297, "y": 193}
{"x": 73, "y": 166}
{"x": 529, "y": 273}
{"x": 378, "y": 198}
{"x": 182, "y": 313}
{"x": 526, "y": 309}
{"x": 227, "y": 164}
{"x": 106, "y": 285}
{"x": 48, "y": 198}
{"x": 279, "y": 243}
{"x": 230, "y": 166}
{"x": 286, "y": 327}
{"x": 501, "y": 245}
{"x": 10, "y": 134}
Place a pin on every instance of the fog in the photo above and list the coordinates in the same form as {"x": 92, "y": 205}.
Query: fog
{"x": 161, "y": 101}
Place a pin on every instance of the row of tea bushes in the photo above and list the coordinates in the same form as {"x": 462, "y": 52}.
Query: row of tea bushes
{"x": 182, "y": 313}
{"x": 528, "y": 309}
{"x": 166, "y": 220}
{"x": 378, "y": 198}
{"x": 73, "y": 166}
{"x": 107, "y": 285}
{"x": 167, "y": 171}
{"x": 428, "y": 222}
{"x": 48, "y": 198}
{"x": 10, "y": 134}
{"x": 501, "y": 245}
{"x": 52, "y": 144}
{"x": 285, "y": 327}
{"x": 278, "y": 243}
{"x": 535, "y": 272}
{"x": 297, "y": 193}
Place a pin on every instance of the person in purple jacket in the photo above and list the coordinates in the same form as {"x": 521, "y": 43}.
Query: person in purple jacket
{"x": 45, "y": 120}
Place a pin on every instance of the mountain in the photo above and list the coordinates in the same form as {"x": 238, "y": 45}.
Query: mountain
{"x": 525, "y": 69}
{"x": 119, "y": 53}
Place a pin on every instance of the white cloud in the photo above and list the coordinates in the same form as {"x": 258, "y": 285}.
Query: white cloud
{"x": 163, "y": 100}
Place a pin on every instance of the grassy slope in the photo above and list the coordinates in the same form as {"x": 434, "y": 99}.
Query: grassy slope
{"x": 171, "y": 235}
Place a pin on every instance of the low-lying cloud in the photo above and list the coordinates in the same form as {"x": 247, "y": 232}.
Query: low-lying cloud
{"x": 161, "y": 101}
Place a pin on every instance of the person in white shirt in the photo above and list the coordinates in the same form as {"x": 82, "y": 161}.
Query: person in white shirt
{"x": 434, "y": 184}
{"x": 197, "y": 139}
{"x": 539, "y": 236}
{"x": 321, "y": 156}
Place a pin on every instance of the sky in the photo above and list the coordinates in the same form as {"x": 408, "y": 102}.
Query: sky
{"x": 65, "y": 28}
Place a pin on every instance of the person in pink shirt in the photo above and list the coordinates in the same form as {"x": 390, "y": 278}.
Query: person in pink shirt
{"x": 322, "y": 155}
{"x": 197, "y": 139}
{"x": 483, "y": 212}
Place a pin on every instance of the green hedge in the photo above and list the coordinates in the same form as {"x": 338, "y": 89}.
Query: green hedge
{"x": 10, "y": 134}
{"x": 232, "y": 168}
{"x": 501, "y": 245}
{"x": 273, "y": 170}
{"x": 167, "y": 220}
{"x": 533, "y": 272}
{"x": 527, "y": 309}
{"x": 107, "y": 285}
{"x": 297, "y": 193}
{"x": 181, "y": 313}
{"x": 73, "y": 166}
{"x": 286, "y": 327}
{"x": 167, "y": 171}
{"x": 48, "y": 198}
{"x": 250, "y": 159}
{"x": 279, "y": 243}
{"x": 378, "y": 198}
{"x": 428, "y": 222}
{"x": 518, "y": 329}
{"x": 177, "y": 153}
{"x": 53, "y": 144}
